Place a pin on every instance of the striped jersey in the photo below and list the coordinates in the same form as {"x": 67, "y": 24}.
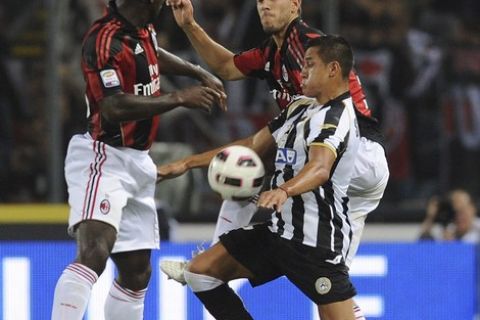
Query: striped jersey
{"x": 281, "y": 68}
{"x": 317, "y": 218}
{"x": 119, "y": 57}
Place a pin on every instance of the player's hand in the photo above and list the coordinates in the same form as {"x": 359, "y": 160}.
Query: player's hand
{"x": 210, "y": 81}
{"x": 273, "y": 199}
{"x": 198, "y": 97}
{"x": 171, "y": 170}
{"x": 182, "y": 12}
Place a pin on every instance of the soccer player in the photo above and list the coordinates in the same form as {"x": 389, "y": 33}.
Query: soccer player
{"x": 279, "y": 60}
{"x": 306, "y": 239}
{"x": 110, "y": 176}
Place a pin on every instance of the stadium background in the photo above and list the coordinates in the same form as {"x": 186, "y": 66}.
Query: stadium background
{"x": 419, "y": 61}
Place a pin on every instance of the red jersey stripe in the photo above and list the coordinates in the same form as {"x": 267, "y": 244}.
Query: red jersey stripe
{"x": 100, "y": 42}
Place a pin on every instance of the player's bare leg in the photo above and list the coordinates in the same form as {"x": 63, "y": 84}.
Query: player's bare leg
{"x": 127, "y": 294}
{"x": 207, "y": 276}
{"x": 94, "y": 242}
{"x": 342, "y": 310}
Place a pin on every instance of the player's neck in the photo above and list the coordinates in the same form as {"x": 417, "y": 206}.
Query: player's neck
{"x": 279, "y": 36}
{"x": 333, "y": 92}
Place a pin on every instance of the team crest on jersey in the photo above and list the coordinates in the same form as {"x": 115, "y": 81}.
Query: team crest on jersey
{"x": 286, "y": 156}
{"x": 109, "y": 78}
{"x": 105, "y": 206}
{"x": 323, "y": 285}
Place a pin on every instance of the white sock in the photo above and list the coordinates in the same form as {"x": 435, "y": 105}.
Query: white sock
{"x": 73, "y": 292}
{"x": 233, "y": 215}
{"x": 358, "y": 313}
{"x": 124, "y": 304}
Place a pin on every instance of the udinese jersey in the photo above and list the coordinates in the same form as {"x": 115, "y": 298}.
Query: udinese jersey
{"x": 281, "y": 68}
{"x": 118, "y": 58}
{"x": 317, "y": 218}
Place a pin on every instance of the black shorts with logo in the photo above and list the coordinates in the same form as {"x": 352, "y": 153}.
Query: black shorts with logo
{"x": 269, "y": 256}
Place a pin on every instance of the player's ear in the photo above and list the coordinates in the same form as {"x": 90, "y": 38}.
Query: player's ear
{"x": 334, "y": 69}
{"x": 296, "y": 6}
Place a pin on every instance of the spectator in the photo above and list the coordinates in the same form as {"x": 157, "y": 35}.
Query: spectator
{"x": 457, "y": 214}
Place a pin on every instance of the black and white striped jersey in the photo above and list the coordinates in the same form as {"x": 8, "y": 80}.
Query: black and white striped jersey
{"x": 317, "y": 218}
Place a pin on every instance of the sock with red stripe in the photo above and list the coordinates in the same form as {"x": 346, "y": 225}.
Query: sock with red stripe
{"x": 358, "y": 313}
{"x": 73, "y": 292}
{"x": 124, "y": 304}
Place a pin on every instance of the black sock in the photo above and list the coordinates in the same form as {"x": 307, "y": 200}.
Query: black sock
{"x": 224, "y": 304}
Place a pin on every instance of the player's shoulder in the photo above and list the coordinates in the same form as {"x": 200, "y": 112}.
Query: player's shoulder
{"x": 307, "y": 32}
{"x": 299, "y": 102}
{"x": 102, "y": 41}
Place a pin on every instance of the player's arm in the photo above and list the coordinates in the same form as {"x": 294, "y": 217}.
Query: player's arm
{"x": 217, "y": 57}
{"x": 170, "y": 64}
{"x": 261, "y": 142}
{"x": 314, "y": 174}
{"x": 122, "y": 107}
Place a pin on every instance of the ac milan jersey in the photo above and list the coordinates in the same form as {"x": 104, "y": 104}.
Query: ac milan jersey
{"x": 281, "y": 68}
{"x": 117, "y": 58}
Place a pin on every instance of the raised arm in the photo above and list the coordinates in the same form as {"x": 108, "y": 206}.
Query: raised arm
{"x": 217, "y": 57}
{"x": 262, "y": 142}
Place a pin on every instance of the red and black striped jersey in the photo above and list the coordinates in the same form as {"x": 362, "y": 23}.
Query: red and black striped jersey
{"x": 281, "y": 68}
{"x": 118, "y": 57}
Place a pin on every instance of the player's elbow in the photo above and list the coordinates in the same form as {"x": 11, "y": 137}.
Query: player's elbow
{"x": 227, "y": 70}
{"x": 322, "y": 175}
{"x": 109, "y": 109}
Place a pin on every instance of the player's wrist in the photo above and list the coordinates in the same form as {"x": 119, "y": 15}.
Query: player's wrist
{"x": 190, "y": 27}
{"x": 285, "y": 190}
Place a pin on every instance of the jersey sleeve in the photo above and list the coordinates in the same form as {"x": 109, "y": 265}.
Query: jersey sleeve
{"x": 252, "y": 62}
{"x": 102, "y": 65}
{"x": 275, "y": 124}
{"x": 330, "y": 128}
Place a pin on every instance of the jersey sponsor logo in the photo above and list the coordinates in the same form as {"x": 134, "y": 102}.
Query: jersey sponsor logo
{"x": 138, "y": 49}
{"x": 109, "y": 78}
{"x": 148, "y": 89}
{"x": 323, "y": 285}
{"x": 286, "y": 156}
{"x": 105, "y": 206}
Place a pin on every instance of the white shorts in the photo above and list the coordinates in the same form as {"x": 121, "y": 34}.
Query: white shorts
{"x": 366, "y": 188}
{"x": 115, "y": 186}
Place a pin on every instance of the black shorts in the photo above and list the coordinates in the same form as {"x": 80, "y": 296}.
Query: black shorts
{"x": 269, "y": 256}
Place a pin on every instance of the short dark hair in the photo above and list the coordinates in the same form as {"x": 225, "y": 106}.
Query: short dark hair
{"x": 334, "y": 48}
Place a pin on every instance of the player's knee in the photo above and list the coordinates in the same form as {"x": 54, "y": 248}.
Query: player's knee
{"x": 94, "y": 255}
{"x": 199, "y": 266}
{"x": 138, "y": 278}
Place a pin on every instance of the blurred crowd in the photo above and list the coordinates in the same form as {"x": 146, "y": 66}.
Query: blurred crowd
{"x": 419, "y": 61}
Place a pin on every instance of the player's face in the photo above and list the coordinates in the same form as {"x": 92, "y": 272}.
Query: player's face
{"x": 276, "y": 14}
{"x": 315, "y": 74}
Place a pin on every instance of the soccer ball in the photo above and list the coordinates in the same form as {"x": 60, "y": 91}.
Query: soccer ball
{"x": 236, "y": 173}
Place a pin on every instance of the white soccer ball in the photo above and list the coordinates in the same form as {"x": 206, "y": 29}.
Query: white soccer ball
{"x": 236, "y": 173}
